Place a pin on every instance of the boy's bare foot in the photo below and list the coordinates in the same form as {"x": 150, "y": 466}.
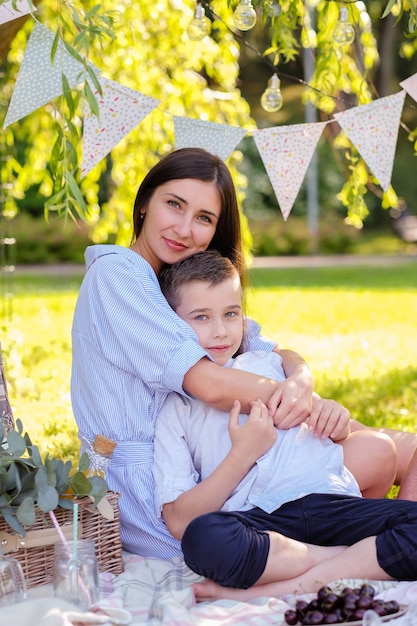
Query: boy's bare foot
{"x": 208, "y": 591}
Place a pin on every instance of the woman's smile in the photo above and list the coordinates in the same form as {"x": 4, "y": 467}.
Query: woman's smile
{"x": 174, "y": 244}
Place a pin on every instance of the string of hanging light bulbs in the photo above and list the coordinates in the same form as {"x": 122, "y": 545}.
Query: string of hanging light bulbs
{"x": 244, "y": 19}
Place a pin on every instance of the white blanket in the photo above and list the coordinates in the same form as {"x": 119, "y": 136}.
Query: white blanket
{"x": 156, "y": 592}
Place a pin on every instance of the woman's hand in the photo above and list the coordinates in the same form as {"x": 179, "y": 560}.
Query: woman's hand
{"x": 253, "y": 438}
{"x": 328, "y": 418}
{"x": 290, "y": 404}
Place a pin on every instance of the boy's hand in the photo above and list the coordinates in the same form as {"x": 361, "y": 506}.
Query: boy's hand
{"x": 328, "y": 418}
{"x": 253, "y": 438}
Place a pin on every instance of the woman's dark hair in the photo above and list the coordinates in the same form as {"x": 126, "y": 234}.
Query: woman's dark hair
{"x": 198, "y": 164}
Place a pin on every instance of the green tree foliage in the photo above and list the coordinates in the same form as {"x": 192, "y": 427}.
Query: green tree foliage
{"x": 343, "y": 76}
{"x": 144, "y": 45}
{"x": 148, "y": 51}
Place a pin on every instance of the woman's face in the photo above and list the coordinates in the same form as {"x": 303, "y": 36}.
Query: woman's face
{"x": 180, "y": 219}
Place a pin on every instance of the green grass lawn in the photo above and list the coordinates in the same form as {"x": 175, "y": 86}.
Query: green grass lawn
{"x": 355, "y": 326}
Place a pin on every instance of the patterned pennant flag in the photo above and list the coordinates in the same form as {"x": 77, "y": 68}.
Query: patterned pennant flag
{"x": 286, "y": 152}
{"x": 219, "y": 139}
{"x": 373, "y": 130}
{"x": 121, "y": 109}
{"x": 39, "y": 81}
{"x": 8, "y": 12}
{"x": 410, "y": 85}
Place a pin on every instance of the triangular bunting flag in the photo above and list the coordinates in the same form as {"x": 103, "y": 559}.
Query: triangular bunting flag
{"x": 286, "y": 152}
{"x": 9, "y": 13}
{"x": 219, "y": 139}
{"x": 410, "y": 86}
{"x": 121, "y": 109}
{"x": 39, "y": 81}
{"x": 373, "y": 130}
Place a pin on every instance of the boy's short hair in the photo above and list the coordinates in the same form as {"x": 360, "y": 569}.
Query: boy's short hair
{"x": 208, "y": 266}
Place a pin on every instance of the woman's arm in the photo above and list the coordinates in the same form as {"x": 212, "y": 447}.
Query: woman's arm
{"x": 249, "y": 442}
{"x": 220, "y": 386}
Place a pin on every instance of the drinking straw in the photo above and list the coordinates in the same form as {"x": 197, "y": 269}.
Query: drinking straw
{"x": 58, "y": 529}
{"x": 65, "y": 543}
{"x": 75, "y": 532}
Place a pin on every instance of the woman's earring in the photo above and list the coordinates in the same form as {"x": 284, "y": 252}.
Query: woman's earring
{"x": 142, "y": 216}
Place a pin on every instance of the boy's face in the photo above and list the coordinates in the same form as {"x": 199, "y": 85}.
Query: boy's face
{"x": 215, "y": 313}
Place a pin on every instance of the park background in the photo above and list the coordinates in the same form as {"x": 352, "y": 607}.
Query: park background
{"x": 354, "y": 325}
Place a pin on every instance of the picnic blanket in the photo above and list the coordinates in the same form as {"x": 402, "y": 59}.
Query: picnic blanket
{"x": 156, "y": 592}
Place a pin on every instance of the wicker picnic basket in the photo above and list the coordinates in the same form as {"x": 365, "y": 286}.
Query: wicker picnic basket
{"x": 35, "y": 551}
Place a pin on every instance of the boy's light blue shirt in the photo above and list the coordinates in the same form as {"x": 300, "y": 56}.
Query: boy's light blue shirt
{"x": 191, "y": 439}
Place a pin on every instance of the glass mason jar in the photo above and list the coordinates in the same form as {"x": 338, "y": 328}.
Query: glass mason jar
{"x": 12, "y": 581}
{"x": 75, "y": 572}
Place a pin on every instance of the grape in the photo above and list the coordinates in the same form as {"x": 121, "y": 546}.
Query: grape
{"x": 364, "y": 602}
{"x": 329, "y": 607}
{"x": 312, "y": 617}
{"x": 367, "y": 590}
{"x": 291, "y": 617}
{"x": 331, "y": 618}
{"x": 323, "y": 592}
{"x": 301, "y": 606}
{"x": 391, "y": 607}
{"x": 358, "y": 614}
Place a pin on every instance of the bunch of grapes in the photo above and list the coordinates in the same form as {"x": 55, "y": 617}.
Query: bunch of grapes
{"x": 347, "y": 606}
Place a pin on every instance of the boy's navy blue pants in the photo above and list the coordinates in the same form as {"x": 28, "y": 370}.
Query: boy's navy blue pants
{"x": 232, "y": 548}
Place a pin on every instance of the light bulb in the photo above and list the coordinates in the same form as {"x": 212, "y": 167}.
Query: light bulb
{"x": 271, "y": 99}
{"x": 344, "y": 33}
{"x": 199, "y": 25}
{"x": 244, "y": 16}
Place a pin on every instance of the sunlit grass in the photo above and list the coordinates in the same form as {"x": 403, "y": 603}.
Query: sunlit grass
{"x": 356, "y": 327}
{"x": 358, "y": 336}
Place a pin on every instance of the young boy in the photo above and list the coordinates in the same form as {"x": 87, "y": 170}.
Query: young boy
{"x": 252, "y": 473}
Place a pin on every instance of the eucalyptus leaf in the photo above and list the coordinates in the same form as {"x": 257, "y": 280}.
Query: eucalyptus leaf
{"x": 28, "y": 482}
{"x": 17, "y": 443}
{"x": 26, "y": 513}
{"x": 62, "y": 471}
{"x": 13, "y": 483}
{"x": 64, "y": 503}
{"x": 47, "y": 499}
{"x": 3, "y": 480}
{"x": 36, "y": 456}
{"x": 10, "y": 517}
{"x": 80, "y": 484}
{"x": 99, "y": 488}
{"x": 84, "y": 462}
{"x": 41, "y": 478}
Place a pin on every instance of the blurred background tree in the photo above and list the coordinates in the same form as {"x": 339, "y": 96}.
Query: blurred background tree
{"x": 144, "y": 45}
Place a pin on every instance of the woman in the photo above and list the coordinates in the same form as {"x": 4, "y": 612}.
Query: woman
{"x": 130, "y": 349}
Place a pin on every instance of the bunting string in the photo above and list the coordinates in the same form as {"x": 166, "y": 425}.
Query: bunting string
{"x": 285, "y": 150}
